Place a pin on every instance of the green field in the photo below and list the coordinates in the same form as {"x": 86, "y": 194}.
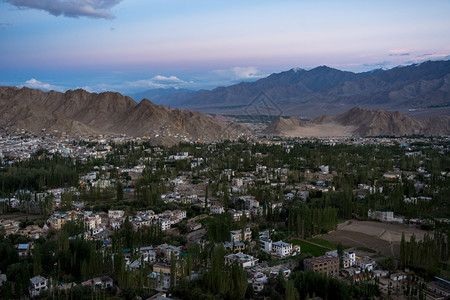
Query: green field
{"x": 326, "y": 244}
{"x": 306, "y": 247}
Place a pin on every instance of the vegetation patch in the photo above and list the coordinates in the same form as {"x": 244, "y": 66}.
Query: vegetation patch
{"x": 326, "y": 244}
{"x": 307, "y": 247}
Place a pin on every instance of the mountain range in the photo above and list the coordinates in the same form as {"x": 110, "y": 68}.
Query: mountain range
{"x": 360, "y": 122}
{"x": 418, "y": 90}
{"x": 80, "y": 113}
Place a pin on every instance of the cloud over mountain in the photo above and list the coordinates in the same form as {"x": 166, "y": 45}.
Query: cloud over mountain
{"x": 36, "y": 84}
{"x": 99, "y": 9}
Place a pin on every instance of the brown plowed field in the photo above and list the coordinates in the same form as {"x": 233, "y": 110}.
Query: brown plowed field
{"x": 384, "y": 238}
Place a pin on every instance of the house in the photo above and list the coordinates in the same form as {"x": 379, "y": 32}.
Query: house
{"x": 349, "y": 258}
{"x": 234, "y": 246}
{"x": 281, "y": 248}
{"x": 326, "y": 264}
{"x": 265, "y": 244}
{"x": 116, "y": 223}
{"x": 365, "y": 263}
{"x": 161, "y": 268}
{"x": 99, "y": 283}
{"x": 241, "y": 235}
{"x": 244, "y": 260}
{"x": 217, "y": 210}
{"x": 398, "y": 276}
{"x": 165, "y": 224}
{"x": 38, "y": 285}
{"x": 92, "y": 221}
{"x": 168, "y": 250}
{"x": 258, "y": 281}
{"x": 24, "y": 249}
{"x": 115, "y": 214}
{"x": 158, "y": 281}
{"x": 383, "y": 216}
{"x": 148, "y": 254}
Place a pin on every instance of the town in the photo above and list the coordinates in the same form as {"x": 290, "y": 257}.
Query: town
{"x": 347, "y": 218}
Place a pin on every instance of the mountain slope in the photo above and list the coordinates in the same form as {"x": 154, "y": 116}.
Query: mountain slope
{"x": 325, "y": 90}
{"x": 362, "y": 122}
{"x": 81, "y": 113}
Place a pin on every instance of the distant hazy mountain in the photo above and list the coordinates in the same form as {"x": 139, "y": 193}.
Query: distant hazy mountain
{"x": 169, "y": 96}
{"x": 79, "y": 113}
{"x": 325, "y": 90}
{"x": 361, "y": 122}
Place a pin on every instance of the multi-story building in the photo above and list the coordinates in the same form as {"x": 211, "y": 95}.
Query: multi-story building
{"x": 282, "y": 249}
{"x": 349, "y": 258}
{"x": 265, "y": 244}
{"x": 326, "y": 264}
{"x": 165, "y": 224}
{"x": 93, "y": 221}
{"x": 239, "y": 235}
{"x": 245, "y": 260}
{"x": 38, "y": 284}
{"x": 217, "y": 210}
{"x": 115, "y": 214}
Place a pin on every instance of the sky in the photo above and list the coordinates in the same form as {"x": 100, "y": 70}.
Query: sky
{"x": 135, "y": 45}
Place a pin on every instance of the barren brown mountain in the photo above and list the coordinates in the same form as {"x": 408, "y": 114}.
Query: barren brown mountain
{"x": 80, "y": 113}
{"x": 361, "y": 122}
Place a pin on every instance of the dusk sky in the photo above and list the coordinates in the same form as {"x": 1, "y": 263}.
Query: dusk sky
{"x": 134, "y": 45}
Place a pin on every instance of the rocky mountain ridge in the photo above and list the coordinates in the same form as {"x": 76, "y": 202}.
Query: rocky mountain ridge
{"x": 418, "y": 89}
{"x": 78, "y": 113}
{"x": 364, "y": 123}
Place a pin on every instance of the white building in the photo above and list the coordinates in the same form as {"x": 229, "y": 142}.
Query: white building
{"x": 217, "y": 210}
{"x": 349, "y": 258}
{"x": 245, "y": 260}
{"x": 282, "y": 249}
{"x": 115, "y": 214}
{"x": 38, "y": 284}
{"x": 383, "y": 216}
{"x": 265, "y": 244}
{"x": 165, "y": 224}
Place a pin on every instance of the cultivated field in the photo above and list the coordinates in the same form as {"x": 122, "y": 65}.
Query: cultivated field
{"x": 383, "y": 238}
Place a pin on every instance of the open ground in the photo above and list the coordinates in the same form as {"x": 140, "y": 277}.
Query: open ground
{"x": 374, "y": 237}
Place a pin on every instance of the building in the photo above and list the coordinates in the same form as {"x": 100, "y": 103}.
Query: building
{"x": 24, "y": 249}
{"x": 241, "y": 235}
{"x": 115, "y": 214}
{"x": 38, "y": 285}
{"x": 93, "y": 221}
{"x": 365, "y": 263}
{"x": 265, "y": 244}
{"x": 165, "y": 224}
{"x": 161, "y": 268}
{"x": 217, "y": 210}
{"x": 245, "y": 260}
{"x": 383, "y": 216}
{"x": 281, "y": 248}
{"x": 349, "y": 258}
{"x": 234, "y": 246}
{"x": 99, "y": 283}
{"x": 326, "y": 264}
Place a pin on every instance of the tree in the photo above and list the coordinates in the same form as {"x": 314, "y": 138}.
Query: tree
{"x": 340, "y": 252}
{"x": 119, "y": 190}
{"x": 37, "y": 267}
{"x": 173, "y": 269}
{"x": 18, "y": 285}
{"x": 291, "y": 292}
